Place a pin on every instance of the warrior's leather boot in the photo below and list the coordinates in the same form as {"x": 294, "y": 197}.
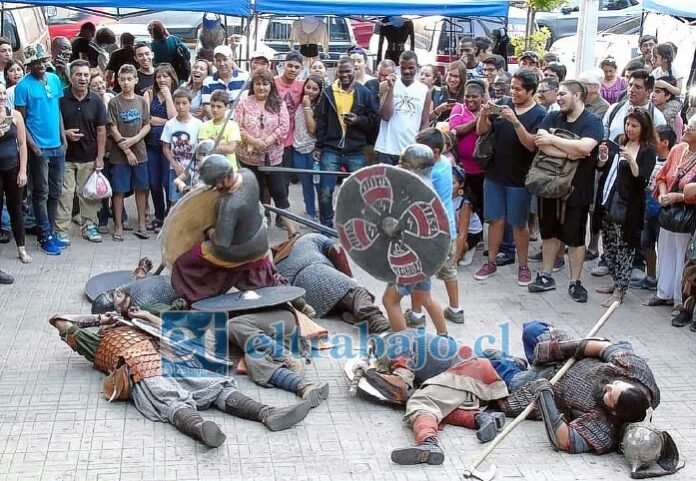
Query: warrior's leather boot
{"x": 314, "y": 392}
{"x": 192, "y": 424}
{"x": 428, "y": 449}
{"x": 377, "y": 324}
{"x": 275, "y": 419}
{"x": 488, "y": 425}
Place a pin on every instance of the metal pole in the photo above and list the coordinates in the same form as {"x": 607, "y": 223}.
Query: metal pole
{"x": 587, "y": 33}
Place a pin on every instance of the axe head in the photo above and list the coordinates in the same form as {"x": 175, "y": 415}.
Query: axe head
{"x": 481, "y": 474}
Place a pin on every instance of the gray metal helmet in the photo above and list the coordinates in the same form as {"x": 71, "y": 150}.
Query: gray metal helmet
{"x": 649, "y": 451}
{"x": 204, "y": 149}
{"x": 417, "y": 158}
{"x": 214, "y": 168}
{"x": 104, "y": 303}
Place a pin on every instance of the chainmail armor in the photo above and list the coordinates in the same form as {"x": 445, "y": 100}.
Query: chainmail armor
{"x": 151, "y": 290}
{"x": 308, "y": 267}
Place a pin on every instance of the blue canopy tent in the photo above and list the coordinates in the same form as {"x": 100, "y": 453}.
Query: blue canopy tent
{"x": 677, "y": 8}
{"x": 237, "y": 8}
{"x": 449, "y": 8}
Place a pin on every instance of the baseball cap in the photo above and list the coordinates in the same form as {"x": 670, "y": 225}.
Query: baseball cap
{"x": 223, "y": 50}
{"x": 259, "y": 54}
{"x": 294, "y": 56}
{"x": 531, "y": 55}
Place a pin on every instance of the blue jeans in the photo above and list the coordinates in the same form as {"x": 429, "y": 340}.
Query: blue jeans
{"x": 158, "y": 175}
{"x": 46, "y": 177}
{"x": 332, "y": 161}
{"x": 507, "y": 246}
{"x": 5, "y": 218}
{"x": 309, "y": 190}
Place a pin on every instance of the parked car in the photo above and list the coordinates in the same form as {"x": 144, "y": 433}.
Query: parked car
{"x": 563, "y": 21}
{"x": 619, "y": 41}
{"x": 362, "y": 30}
{"x": 274, "y": 35}
{"x": 64, "y": 22}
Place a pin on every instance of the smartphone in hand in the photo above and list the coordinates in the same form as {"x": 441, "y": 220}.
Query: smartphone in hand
{"x": 613, "y": 146}
{"x": 495, "y": 108}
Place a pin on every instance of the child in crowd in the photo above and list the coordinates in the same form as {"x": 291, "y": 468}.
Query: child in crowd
{"x": 219, "y": 100}
{"x": 129, "y": 123}
{"x": 179, "y": 139}
{"x": 420, "y": 160}
{"x": 469, "y": 226}
{"x": 441, "y": 177}
{"x": 651, "y": 225}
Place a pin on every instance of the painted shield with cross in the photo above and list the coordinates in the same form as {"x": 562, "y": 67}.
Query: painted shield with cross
{"x": 392, "y": 224}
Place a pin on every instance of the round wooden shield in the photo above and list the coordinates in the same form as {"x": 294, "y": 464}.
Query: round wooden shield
{"x": 392, "y": 224}
{"x": 186, "y": 223}
{"x": 249, "y": 300}
{"x": 106, "y": 281}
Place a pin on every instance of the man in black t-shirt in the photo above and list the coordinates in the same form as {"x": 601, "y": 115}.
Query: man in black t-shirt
{"x": 566, "y": 220}
{"x": 122, "y": 56}
{"x": 505, "y": 198}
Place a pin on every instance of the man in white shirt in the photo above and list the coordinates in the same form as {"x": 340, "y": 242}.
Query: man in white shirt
{"x": 640, "y": 85}
{"x": 404, "y": 108}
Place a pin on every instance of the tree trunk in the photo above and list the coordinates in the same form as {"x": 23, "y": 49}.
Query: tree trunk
{"x": 529, "y": 30}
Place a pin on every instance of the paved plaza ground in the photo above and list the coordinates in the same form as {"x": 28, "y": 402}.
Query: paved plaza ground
{"x": 55, "y": 424}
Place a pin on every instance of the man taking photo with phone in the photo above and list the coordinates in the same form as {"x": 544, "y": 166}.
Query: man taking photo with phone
{"x": 345, "y": 115}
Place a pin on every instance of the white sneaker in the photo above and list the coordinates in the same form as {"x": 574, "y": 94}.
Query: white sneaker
{"x": 468, "y": 257}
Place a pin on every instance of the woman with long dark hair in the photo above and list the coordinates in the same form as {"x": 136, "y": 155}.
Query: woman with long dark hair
{"x": 200, "y": 69}
{"x": 620, "y": 201}
{"x": 161, "y": 46}
{"x": 304, "y": 139}
{"x": 263, "y": 123}
{"x": 451, "y": 93}
{"x": 161, "y": 109}
{"x": 13, "y": 173}
{"x": 14, "y": 71}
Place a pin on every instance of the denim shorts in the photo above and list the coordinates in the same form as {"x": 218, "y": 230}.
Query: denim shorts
{"x": 174, "y": 195}
{"x": 125, "y": 178}
{"x": 503, "y": 202}
{"x": 407, "y": 289}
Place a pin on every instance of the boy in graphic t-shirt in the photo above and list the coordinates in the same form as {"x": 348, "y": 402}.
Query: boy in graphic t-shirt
{"x": 179, "y": 139}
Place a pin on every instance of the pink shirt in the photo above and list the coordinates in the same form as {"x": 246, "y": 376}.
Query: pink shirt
{"x": 257, "y": 122}
{"x": 291, "y": 94}
{"x": 460, "y": 115}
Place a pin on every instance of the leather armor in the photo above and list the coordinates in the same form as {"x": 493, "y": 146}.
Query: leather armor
{"x": 126, "y": 345}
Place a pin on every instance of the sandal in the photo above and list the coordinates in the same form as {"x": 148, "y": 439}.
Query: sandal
{"x": 140, "y": 234}
{"x": 294, "y": 235}
{"x": 605, "y": 289}
{"x": 616, "y": 296}
{"x": 117, "y": 237}
{"x": 658, "y": 301}
{"x": 24, "y": 257}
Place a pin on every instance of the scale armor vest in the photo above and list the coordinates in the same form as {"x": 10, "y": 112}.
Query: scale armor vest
{"x": 130, "y": 346}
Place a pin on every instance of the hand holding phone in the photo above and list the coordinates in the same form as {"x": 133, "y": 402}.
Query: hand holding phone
{"x": 613, "y": 146}
{"x": 495, "y": 108}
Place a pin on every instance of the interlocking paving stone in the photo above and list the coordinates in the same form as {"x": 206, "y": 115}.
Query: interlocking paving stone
{"x": 55, "y": 424}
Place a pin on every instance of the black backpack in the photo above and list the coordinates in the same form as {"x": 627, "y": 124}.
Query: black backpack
{"x": 181, "y": 59}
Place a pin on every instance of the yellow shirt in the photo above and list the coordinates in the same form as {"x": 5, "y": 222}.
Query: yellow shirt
{"x": 344, "y": 102}
{"x": 210, "y": 130}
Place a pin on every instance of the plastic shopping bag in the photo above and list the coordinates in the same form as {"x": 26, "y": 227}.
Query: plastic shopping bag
{"x": 97, "y": 187}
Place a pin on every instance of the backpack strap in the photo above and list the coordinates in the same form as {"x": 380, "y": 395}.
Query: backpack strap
{"x": 615, "y": 111}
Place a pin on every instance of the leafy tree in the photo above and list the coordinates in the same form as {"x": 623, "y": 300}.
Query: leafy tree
{"x": 534, "y": 6}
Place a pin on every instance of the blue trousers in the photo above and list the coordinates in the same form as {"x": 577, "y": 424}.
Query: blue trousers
{"x": 309, "y": 190}
{"x": 45, "y": 172}
{"x": 333, "y": 160}
{"x": 158, "y": 174}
